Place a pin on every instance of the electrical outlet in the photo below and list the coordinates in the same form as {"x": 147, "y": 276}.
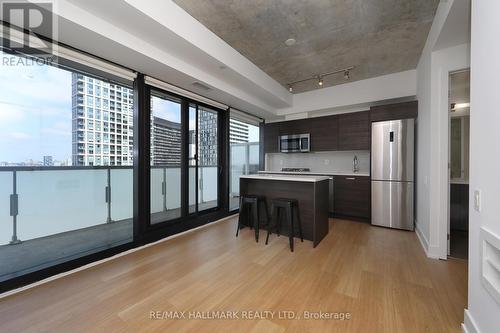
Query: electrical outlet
{"x": 477, "y": 200}
{"x": 327, "y": 161}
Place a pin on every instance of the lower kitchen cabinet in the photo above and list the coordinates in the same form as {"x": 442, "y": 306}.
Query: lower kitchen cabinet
{"x": 352, "y": 197}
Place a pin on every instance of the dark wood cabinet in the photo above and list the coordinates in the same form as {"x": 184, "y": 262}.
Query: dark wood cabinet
{"x": 271, "y": 133}
{"x": 352, "y": 197}
{"x": 324, "y": 133}
{"x": 394, "y": 111}
{"x": 349, "y": 131}
{"x": 292, "y": 127}
{"x": 354, "y": 131}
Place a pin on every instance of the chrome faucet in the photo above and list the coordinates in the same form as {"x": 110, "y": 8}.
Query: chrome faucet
{"x": 355, "y": 164}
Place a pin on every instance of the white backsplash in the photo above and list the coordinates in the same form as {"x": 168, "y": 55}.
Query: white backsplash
{"x": 330, "y": 161}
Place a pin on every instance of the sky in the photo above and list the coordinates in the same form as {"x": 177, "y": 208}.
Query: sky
{"x": 35, "y": 112}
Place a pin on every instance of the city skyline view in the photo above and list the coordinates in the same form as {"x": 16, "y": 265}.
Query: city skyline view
{"x": 36, "y": 115}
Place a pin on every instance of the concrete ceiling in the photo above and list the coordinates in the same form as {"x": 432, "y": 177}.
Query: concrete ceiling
{"x": 378, "y": 37}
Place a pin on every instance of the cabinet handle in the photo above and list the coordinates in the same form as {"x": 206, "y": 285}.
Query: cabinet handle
{"x": 350, "y": 178}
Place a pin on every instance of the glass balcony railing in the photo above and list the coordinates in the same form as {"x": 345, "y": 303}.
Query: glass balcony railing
{"x": 49, "y": 215}
{"x": 38, "y": 201}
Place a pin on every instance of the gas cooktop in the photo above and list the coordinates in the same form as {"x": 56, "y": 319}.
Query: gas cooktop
{"x": 295, "y": 169}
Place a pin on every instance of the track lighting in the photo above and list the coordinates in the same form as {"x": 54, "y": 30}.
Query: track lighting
{"x": 320, "y": 77}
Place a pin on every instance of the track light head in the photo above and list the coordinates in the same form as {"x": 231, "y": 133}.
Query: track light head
{"x": 320, "y": 77}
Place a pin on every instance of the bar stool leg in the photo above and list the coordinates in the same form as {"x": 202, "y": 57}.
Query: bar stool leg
{"x": 278, "y": 221}
{"x": 255, "y": 216}
{"x": 297, "y": 214}
{"x": 290, "y": 232}
{"x": 264, "y": 202}
{"x": 272, "y": 223}
{"x": 241, "y": 210}
{"x": 249, "y": 216}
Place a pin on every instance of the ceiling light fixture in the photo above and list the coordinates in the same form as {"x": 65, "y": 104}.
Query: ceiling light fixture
{"x": 320, "y": 81}
{"x": 320, "y": 77}
{"x": 461, "y": 105}
{"x": 290, "y": 42}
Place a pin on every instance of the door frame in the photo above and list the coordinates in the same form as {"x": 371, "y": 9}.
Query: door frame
{"x": 448, "y": 144}
{"x": 144, "y": 227}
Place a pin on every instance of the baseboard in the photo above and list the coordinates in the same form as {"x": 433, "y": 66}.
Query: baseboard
{"x": 430, "y": 251}
{"x": 349, "y": 217}
{"x": 121, "y": 254}
{"x": 469, "y": 325}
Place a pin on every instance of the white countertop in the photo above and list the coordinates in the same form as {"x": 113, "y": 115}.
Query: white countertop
{"x": 284, "y": 177}
{"x": 334, "y": 173}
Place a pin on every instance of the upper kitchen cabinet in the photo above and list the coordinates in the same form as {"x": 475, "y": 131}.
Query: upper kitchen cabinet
{"x": 324, "y": 133}
{"x": 394, "y": 111}
{"x": 354, "y": 131}
{"x": 292, "y": 127}
{"x": 271, "y": 133}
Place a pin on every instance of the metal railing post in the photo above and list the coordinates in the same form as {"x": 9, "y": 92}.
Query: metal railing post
{"x": 108, "y": 195}
{"x": 164, "y": 189}
{"x": 14, "y": 209}
{"x": 247, "y": 158}
{"x": 200, "y": 184}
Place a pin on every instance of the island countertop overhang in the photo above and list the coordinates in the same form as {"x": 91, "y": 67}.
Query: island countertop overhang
{"x": 295, "y": 178}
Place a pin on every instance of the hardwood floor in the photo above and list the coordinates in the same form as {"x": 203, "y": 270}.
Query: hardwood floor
{"x": 380, "y": 276}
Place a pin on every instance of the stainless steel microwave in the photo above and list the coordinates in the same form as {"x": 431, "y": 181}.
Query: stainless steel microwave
{"x": 299, "y": 143}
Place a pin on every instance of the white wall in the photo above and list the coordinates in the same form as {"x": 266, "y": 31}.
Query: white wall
{"x": 432, "y": 134}
{"x": 358, "y": 93}
{"x": 485, "y": 162}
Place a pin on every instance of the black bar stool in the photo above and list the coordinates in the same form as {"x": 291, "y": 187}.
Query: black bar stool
{"x": 250, "y": 209}
{"x": 290, "y": 207}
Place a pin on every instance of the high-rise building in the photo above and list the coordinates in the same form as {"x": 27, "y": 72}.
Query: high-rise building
{"x": 103, "y": 133}
{"x": 238, "y": 131}
{"x": 102, "y": 122}
{"x": 207, "y": 138}
{"x": 48, "y": 161}
{"x": 166, "y": 142}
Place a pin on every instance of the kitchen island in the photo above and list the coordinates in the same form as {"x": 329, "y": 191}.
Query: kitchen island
{"x": 310, "y": 191}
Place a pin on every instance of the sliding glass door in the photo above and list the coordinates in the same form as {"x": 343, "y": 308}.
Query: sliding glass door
{"x": 171, "y": 143}
{"x": 165, "y": 160}
{"x": 204, "y": 162}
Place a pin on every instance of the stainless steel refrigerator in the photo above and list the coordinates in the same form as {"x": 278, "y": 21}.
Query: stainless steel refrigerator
{"x": 392, "y": 172}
